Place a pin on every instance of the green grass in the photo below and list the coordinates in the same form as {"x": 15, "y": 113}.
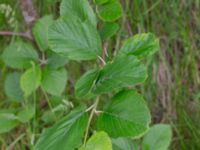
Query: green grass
{"x": 172, "y": 90}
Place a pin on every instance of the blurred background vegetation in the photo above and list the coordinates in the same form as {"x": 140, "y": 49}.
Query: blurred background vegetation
{"x": 173, "y": 87}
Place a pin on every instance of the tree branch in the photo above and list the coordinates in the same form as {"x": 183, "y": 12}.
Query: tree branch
{"x": 21, "y": 34}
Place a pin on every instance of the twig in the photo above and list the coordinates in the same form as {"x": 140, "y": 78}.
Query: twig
{"x": 30, "y": 15}
{"x": 105, "y": 52}
{"x": 11, "y": 146}
{"x": 90, "y": 119}
{"x": 91, "y": 107}
{"x": 22, "y": 34}
{"x": 102, "y": 60}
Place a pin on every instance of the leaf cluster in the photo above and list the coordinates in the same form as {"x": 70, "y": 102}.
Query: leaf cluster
{"x": 75, "y": 36}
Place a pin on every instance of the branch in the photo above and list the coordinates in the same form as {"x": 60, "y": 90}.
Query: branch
{"x": 105, "y": 52}
{"x": 21, "y": 34}
{"x": 30, "y": 14}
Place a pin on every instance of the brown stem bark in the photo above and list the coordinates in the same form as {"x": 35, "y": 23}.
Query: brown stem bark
{"x": 22, "y": 34}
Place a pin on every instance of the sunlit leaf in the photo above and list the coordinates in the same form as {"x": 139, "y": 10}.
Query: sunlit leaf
{"x": 30, "y": 80}
{"x": 98, "y": 141}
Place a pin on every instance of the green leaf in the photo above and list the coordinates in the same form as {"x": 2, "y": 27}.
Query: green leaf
{"x": 124, "y": 71}
{"x": 48, "y": 117}
{"x": 141, "y": 45}
{"x": 126, "y": 116}
{"x": 8, "y": 121}
{"x": 100, "y": 2}
{"x": 124, "y": 144}
{"x": 158, "y": 138}
{"x": 40, "y": 31}
{"x": 78, "y": 9}
{"x": 30, "y": 80}
{"x": 66, "y": 134}
{"x": 26, "y": 114}
{"x": 86, "y": 82}
{"x": 110, "y": 11}
{"x": 54, "y": 81}
{"x": 56, "y": 61}
{"x": 108, "y": 30}
{"x": 76, "y": 39}
{"x": 19, "y": 55}
{"x": 99, "y": 141}
{"x": 12, "y": 87}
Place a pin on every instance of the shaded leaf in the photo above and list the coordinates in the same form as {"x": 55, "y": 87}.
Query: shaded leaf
{"x": 126, "y": 116}
{"x": 110, "y": 11}
{"x": 30, "y": 80}
{"x": 26, "y": 114}
{"x": 124, "y": 144}
{"x": 19, "y": 55}
{"x": 100, "y": 2}
{"x": 56, "y": 61}
{"x": 40, "y": 31}
{"x": 98, "y": 141}
{"x": 12, "y": 87}
{"x": 66, "y": 134}
{"x": 54, "y": 81}
{"x": 124, "y": 71}
{"x": 78, "y": 9}
{"x": 158, "y": 138}
{"x": 8, "y": 121}
{"x": 108, "y": 30}
{"x": 76, "y": 39}
{"x": 141, "y": 45}
{"x": 86, "y": 82}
